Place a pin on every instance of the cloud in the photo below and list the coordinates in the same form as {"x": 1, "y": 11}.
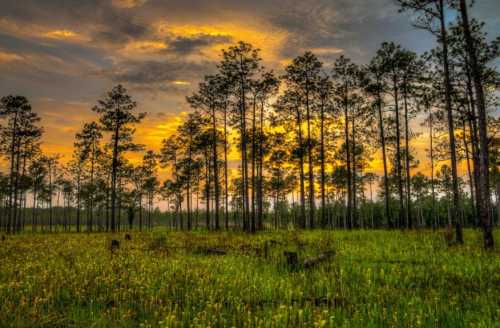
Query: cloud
{"x": 188, "y": 44}
{"x": 60, "y": 34}
{"x": 9, "y": 57}
{"x": 128, "y": 3}
{"x": 73, "y": 51}
{"x": 166, "y": 71}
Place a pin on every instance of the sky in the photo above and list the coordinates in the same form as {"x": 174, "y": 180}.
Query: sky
{"x": 63, "y": 55}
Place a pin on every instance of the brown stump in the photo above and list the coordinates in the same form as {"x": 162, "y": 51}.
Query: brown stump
{"x": 115, "y": 244}
{"x": 292, "y": 259}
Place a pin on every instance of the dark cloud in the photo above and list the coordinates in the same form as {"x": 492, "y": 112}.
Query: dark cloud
{"x": 99, "y": 18}
{"x": 185, "y": 45}
{"x": 151, "y": 71}
{"x": 355, "y": 26}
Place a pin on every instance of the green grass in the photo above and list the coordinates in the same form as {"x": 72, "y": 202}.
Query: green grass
{"x": 376, "y": 279}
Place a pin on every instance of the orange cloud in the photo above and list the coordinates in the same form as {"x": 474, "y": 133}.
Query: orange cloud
{"x": 60, "y": 34}
{"x": 145, "y": 46}
{"x": 128, "y": 3}
{"x": 9, "y": 57}
{"x": 268, "y": 40}
{"x": 326, "y": 51}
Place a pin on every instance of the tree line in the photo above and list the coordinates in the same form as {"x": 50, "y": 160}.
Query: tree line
{"x": 263, "y": 150}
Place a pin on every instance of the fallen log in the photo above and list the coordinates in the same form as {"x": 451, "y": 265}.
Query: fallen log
{"x": 210, "y": 251}
{"x": 313, "y": 261}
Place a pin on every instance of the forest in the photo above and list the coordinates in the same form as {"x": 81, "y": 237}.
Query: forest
{"x": 283, "y": 198}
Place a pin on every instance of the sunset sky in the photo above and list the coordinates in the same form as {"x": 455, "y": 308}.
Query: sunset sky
{"x": 64, "y": 54}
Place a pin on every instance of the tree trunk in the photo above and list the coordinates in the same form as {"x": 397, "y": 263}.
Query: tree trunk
{"x": 226, "y": 182}
{"x": 348, "y": 159}
{"x": 260, "y": 187}
{"x": 301, "y": 168}
{"x": 354, "y": 187}
{"x": 253, "y": 163}
{"x": 398, "y": 153}
{"x": 114, "y": 166}
{"x": 384, "y": 159}
{"x": 311, "y": 166}
{"x": 322, "y": 159}
{"x": 216, "y": 169}
{"x": 455, "y": 210}
{"x": 485, "y": 198}
{"x": 431, "y": 150}
{"x": 409, "y": 220}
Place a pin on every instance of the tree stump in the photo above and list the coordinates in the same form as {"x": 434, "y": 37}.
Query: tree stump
{"x": 115, "y": 244}
{"x": 313, "y": 261}
{"x": 128, "y": 237}
{"x": 292, "y": 259}
{"x": 266, "y": 249}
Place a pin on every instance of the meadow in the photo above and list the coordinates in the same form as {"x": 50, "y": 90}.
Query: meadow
{"x": 183, "y": 279}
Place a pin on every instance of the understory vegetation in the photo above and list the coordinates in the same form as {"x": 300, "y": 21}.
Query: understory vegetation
{"x": 166, "y": 278}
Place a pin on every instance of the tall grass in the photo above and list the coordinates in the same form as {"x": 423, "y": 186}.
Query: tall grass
{"x": 376, "y": 279}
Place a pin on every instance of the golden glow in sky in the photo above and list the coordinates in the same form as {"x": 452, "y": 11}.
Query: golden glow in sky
{"x": 64, "y": 58}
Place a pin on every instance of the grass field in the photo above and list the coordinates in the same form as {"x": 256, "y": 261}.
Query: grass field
{"x": 166, "y": 279}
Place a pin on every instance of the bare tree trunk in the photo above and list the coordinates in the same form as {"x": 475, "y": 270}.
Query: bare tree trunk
{"x": 455, "y": 210}
{"x": 253, "y": 163}
{"x": 354, "y": 174}
{"x": 431, "y": 150}
{"x": 485, "y": 198}
{"x": 348, "y": 159}
{"x": 311, "y": 166}
{"x": 216, "y": 169}
{"x": 467, "y": 159}
{"x": 322, "y": 159}
{"x": 114, "y": 166}
{"x": 471, "y": 119}
{"x": 407, "y": 158}
{"x": 226, "y": 182}
{"x": 14, "y": 137}
{"x": 398, "y": 153}
{"x": 384, "y": 159}
{"x": 301, "y": 168}
{"x": 260, "y": 187}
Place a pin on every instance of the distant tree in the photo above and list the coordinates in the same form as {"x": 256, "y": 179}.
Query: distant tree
{"x": 38, "y": 173}
{"x": 288, "y": 105}
{"x": 89, "y": 152}
{"x": 374, "y": 85}
{"x": 116, "y": 110}
{"x": 325, "y": 105}
{"x": 239, "y": 65}
{"x": 303, "y": 75}
{"x": 19, "y": 136}
{"x": 345, "y": 75}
